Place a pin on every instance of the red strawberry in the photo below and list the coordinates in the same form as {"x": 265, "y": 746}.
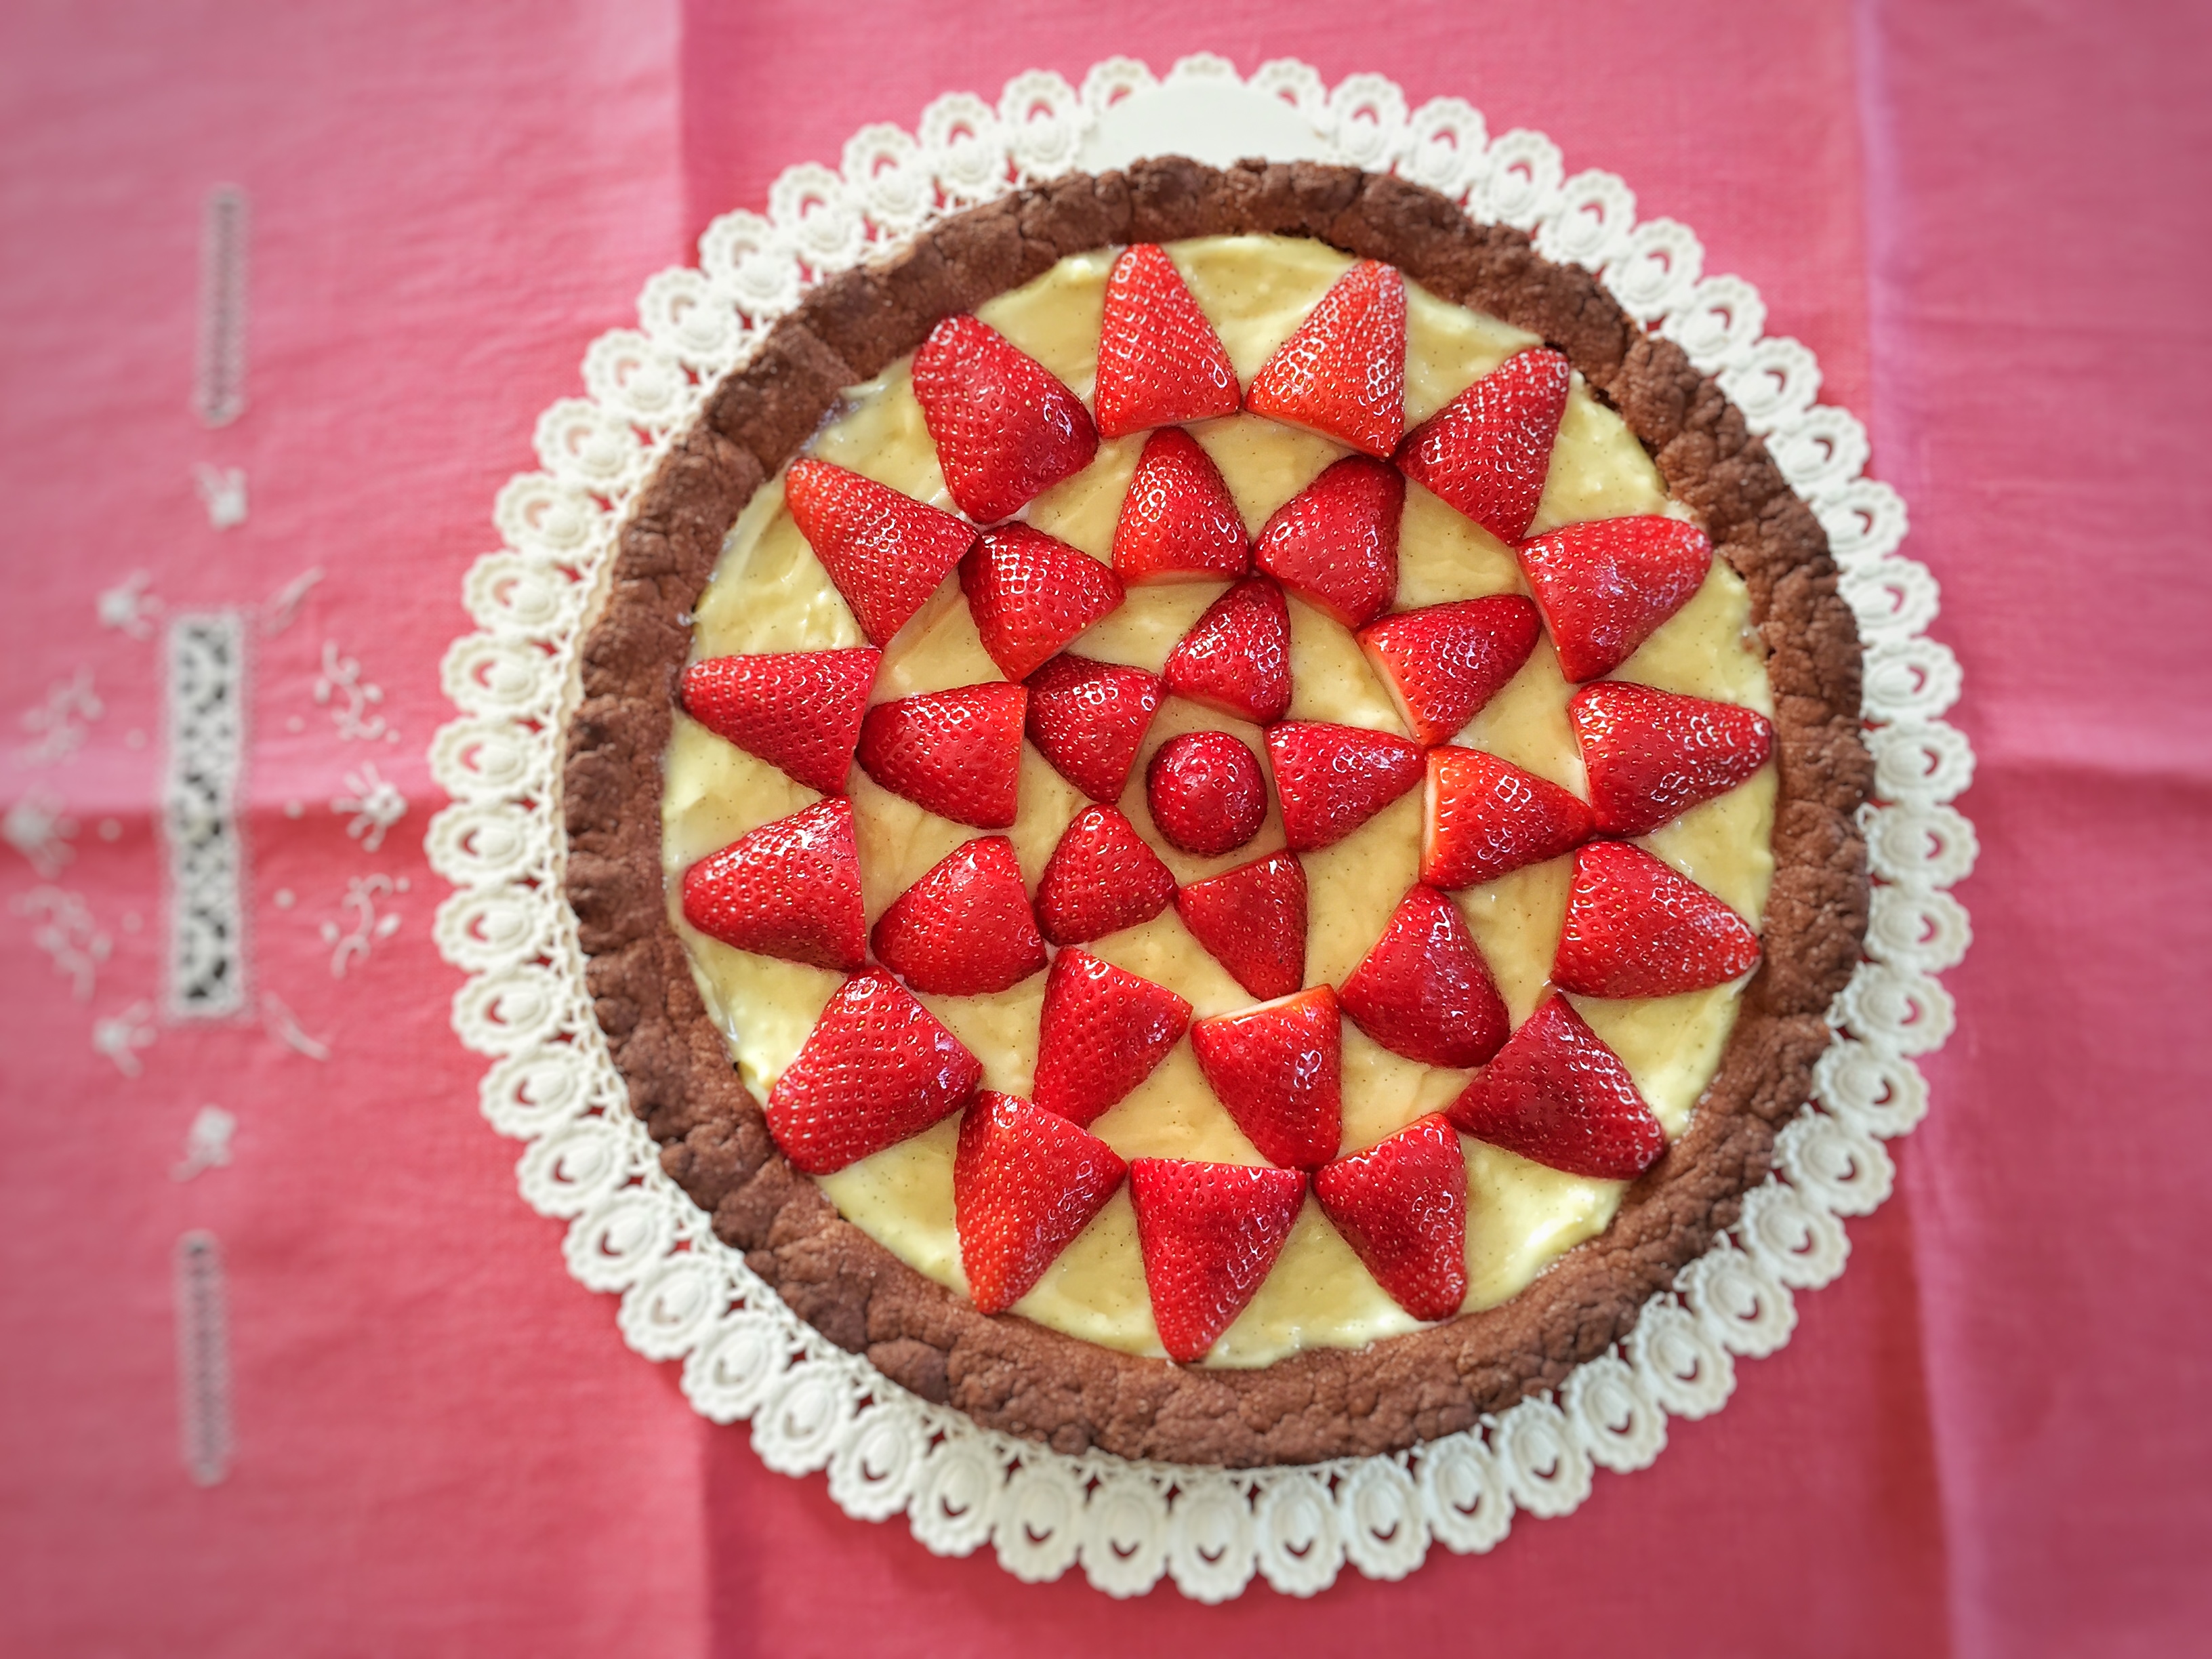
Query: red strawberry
{"x": 1089, "y": 719}
{"x": 1024, "y": 1183}
{"x": 1006, "y": 429}
{"x": 876, "y": 1069}
{"x": 1604, "y": 587}
{"x": 1252, "y": 920}
{"x": 1343, "y": 374}
{"x": 1102, "y": 1031}
{"x": 1179, "y": 523}
{"x": 1402, "y": 1205}
{"x": 965, "y": 929}
{"x": 1236, "y": 657}
{"x": 1636, "y": 928}
{"x": 1100, "y": 878}
{"x": 798, "y": 710}
{"x": 1030, "y": 595}
{"x": 1482, "y": 818}
{"x": 790, "y": 889}
{"x": 1160, "y": 363}
{"x": 1488, "y": 450}
{"x": 1557, "y": 1094}
{"x": 1332, "y": 778}
{"x": 1652, "y": 755}
{"x": 1444, "y": 663}
{"x": 886, "y": 552}
{"x": 1209, "y": 1232}
{"x": 1335, "y": 543}
{"x": 1206, "y": 792}
{"x": 1425, "y": 991}
{"x": 1278, "y": 1068}
{"x": 957, "y": 752}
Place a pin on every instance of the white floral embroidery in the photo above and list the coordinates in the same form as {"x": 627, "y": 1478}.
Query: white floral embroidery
{"x": 120, "y": 1036}
{"x": 219, "y": 383}
{"x": 353, "y": 945}
{"x": 66, "y": 933}
{"x": 38, "y": 827}
{"x": 277, "y": 1020}
{"x": 341, "y": 679}
{"x": 276, "y": 614}
{"x": 375, "y": 803}
{"x": 204, "y": 1423}
{"x": 202, "y": 840}
{"x": 129, "y": 608}
{"x": 207, "y": 1144}
{"x": 58, "y": 723}
{"x": 222, "y": 491}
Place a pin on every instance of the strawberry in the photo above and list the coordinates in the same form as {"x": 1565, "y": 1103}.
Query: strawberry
{"x": 1343, "y": 374}
{"x": 1208, "y": 1232}
{"x": 1006, "y": 430}
{"x": 1278, "y": 1068}
{"x": 964, "y": 929}
{"x": 1332, "y": 778}
{"x": 1236, "y": 657}
{"x": 798, "y": 710}
{"x": 1425, "y": 991}
{"x": 1557, "y": 1094}
{"x": 1100, "y": 878}
{"x": 1102, "y": 1031}
{"x": 1488, "y": 450}
{"x": 1206, "y": 792}
{"x": 1252, "y": 920}
{"x": 1335, "y": 543}
{"x": 1402, "y": 1205}
{"x": 1604, "y": 587}
{"x": 1444, "y": 663}
{"x": 1482, "y": 818}
{"x": 886, "y": 552}
{"x": 790, "y": 889}
{"x": 1179, "y": 523}
{"x": 1653, "y": 754}
{"x": 1024, "y": 1183}
{"x": 957, "y": 752}
{"x": 1030, "y": 595}
{"x": 1636, "y": 928}
{"x": 1160, "y": 363}
{"x": 1089, "y": 719}
{"x": 876, "y": 1069}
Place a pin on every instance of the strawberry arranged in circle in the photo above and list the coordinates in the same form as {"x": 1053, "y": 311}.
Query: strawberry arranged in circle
{"x": 1252, "y": 920}
{"x": 1102, "y": 1031}
{"x": 790, "y": 889}
{"x": 1482, "y": 817}
{"x": 1089, "y": 719}
{"x": 798, "y": 710}
{"x": 876, "y": 1069}
{"x": 1208, "y": 1233}
{"x": 1006, "y": 430}
{"x": 965, "y": 929}
{"x": 1100, "y": 878}
{"x": 1277, "y": 1069}
{"x": 1425, "y": 991}
{"x": 1604, "y": 587}
{"x": 1343, "y": 374}
{"x": 1488, "y": 451}
{"x": 957, "y": 753}
{"x": 1332, "y": 778}
{"x": 1236, "y": 657}
{"x": 1179, "y": 523}
{"x": 1558, "y": 1096}
{"x": 1206, "y": 793}
{"x": 1402, "y": 1205}
{"x": 1636, "y": 928}
{"x": 1025, "y": 1181}
{"x": 1030, "y": 595}
{"x": 885, "y": 552}
{"x": 1442, "y": 663}
{"x": 1160, "y": 363}
{"x": 1653, "y": 754}
{"x": 1335, "y": 543}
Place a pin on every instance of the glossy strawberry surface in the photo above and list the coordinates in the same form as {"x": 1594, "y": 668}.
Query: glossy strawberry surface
{"x": 1252, "y": 920}
{"x": 1606, "y": 587}
{"x": 1402, "y": 1205}
{"x": 1236, "y": 657}
{"x": 958, "y": 753}
{"x": 1636, "y": 928}
{"x": 1028, "y": 595}
{"x": 1332, "y": 778}
{"x": 1100, "y": 878}
{"x": 1425, "y": 991}
{"x": 1277, "y": 1070}
{"x": 1208, "y": 1234}
{"x": 1343, "y": 372}
{"x": 876, "y": 1069}
{"x": 1160, "y": 363}
{"x": 798, "y": 710}
{"x": 1444, "y": 662}
{"x": 1206, "y": 793}
{"x": 885, "y": 552}
{"x": 1335, "y": 543}
{"x": 1488, "y": 451}
{"x": 1025, "y": 1182}
{"x": 1089, "y": 720}
{"x": 1102, "y": 1031}
{"x": 966, "y": 928}
{"x": 1650, "y": 755}
{"x": 1006, "y": 428}
{"x": 1555, "y": 1094}
{"x": 790, "y": 889}
{"x": 1482, "y": 817}
{"x": 1178, "y": 521}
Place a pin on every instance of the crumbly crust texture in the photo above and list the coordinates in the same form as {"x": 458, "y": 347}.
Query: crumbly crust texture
{"x": 1005, "y": 1372}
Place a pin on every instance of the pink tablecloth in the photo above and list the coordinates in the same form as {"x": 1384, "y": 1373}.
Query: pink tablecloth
{"x": 1990, "y": 222}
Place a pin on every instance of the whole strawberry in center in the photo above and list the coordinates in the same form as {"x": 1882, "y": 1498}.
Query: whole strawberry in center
{"x": 1206, "y": 792}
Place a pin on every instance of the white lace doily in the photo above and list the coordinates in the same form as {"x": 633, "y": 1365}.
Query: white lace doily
{"x": 686, "y": 1295}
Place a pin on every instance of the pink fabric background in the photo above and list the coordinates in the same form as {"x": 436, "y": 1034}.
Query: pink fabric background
{"x": 1990, "y": 220}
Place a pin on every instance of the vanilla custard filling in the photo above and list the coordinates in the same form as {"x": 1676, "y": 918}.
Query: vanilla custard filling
{"x": 770, "y": 594}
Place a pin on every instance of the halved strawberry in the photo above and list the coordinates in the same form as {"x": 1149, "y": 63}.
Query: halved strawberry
{"x": 1208, "y": 1232}
{"x": 797, "y": 710}
{"x": 1102, "y": 1031}
{"x": 1343, "y": 374}
{"x": 1653, "y": 754}
{"x": 1557, "y": 1094}
{"x": 1089, "y": 719}
{"x": 1006, "y": 430}
{"x": 1160, "y": 363}
{"x": 1252, "y": 920}
{"x": 1444, "y": 662}
{"x": 1482, "y": 818}
{"x": 1030, "y": 595}
{"x": 1604, "y": 587}
{"x": 1024, "y": 1182}
{"x": 1636, "y": 928}
{"x": 1100, "y": 878}
{"x": 957, "y": 752}
{"x": 1179, "y": 523}
{"x": 965, "y": 929}
{"x": 1236, "y": 657}
{"x": 886, "y": 552}
{"x": 1332, "y": 778}
{"x": 790, "y": 889}
{"x": 876, "y": 1069}
{"x": 1488, "y": 451}
{"x": 1206, "y": 793}
{"x": 1335, "y": 543}
{"x": 1402, "y": 1205}
{"x": 1425, "y": 991}
{"x": 1278, "y": 1071}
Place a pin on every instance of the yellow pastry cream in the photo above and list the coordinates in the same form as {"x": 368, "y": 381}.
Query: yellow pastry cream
{"x": 770, "y": 594}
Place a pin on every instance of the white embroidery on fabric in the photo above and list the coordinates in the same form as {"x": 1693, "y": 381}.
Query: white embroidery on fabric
{"x": 39, "y": 827}
{"x": 278, "y": 1021}
{"x": 129, "y": 608}
{"x": 200, "y": 838}
{"x": 121, "y": 1036}
{"x": 58, "y": 723}
{"x": 203, "y": 1424}
{"x": 284, "y": 606}
{"x": 63, "y": 928}
{"x": 219, "y": 383}
{"x": 374, "y": 802}
{"x": 207, "y": 1143}
{"x": 341, "y": 681}
{"x": 351, "y": 944}
{"x": 223, "y": 492}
